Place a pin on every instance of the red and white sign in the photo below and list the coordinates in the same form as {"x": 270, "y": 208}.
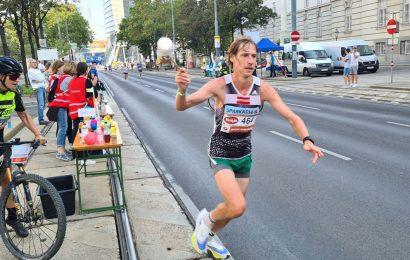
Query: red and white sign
{"x": 391, "y": 26}
{"x": 295, "y": 36}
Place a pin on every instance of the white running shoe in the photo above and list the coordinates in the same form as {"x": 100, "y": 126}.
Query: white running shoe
{"x": 217, "y": 250}
{"x": 200, "y": 236}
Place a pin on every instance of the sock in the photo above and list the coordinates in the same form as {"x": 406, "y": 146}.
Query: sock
{"x": 12, "y": 213}
{"x": 209, "y": 221}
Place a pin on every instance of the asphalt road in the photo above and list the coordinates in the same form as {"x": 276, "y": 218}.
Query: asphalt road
{"x": 354, "y": 204}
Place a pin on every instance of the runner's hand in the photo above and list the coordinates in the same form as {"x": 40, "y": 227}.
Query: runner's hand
{"x": 182, "y": 79}
{"x": 316, "y": 152}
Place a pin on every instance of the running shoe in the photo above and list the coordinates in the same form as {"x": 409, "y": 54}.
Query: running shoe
{"x": 217, "y": 250}
{"x": 200, "y": 236}
{"x": 63, "y": 157}
{"x": 20, "y": 230}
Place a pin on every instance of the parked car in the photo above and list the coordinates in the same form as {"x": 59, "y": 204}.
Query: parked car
{"x": 311, "y": 59}
{"x": 368, "y": 61}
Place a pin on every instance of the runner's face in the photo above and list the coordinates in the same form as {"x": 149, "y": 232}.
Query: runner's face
{"x": 245, "y": 60}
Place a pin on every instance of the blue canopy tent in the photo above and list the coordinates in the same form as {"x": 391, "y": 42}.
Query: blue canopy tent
{"x": 266, "y": 45}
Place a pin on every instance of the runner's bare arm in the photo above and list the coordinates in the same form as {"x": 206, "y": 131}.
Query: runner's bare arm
{"x": 270, "y": 95}
{"x": 183, "y": 102}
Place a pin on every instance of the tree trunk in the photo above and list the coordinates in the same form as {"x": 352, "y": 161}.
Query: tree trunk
{"x": 6, "y": 50}
{"x": 35, "y": 30}
{"x": 18, "y": 26}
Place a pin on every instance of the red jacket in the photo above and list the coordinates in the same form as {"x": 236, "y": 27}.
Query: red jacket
{"x": 77, "y": 96}
{"x": 61, "y": 100}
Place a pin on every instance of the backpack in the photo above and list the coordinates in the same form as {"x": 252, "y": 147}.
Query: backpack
{"x": 52, "y": 92}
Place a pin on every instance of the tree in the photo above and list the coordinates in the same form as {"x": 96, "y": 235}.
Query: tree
{"x": 6, "y": 50}
{"x": 148, "y": 21}
{"x": 16, "y": 9}
{"x": 64, "y": 25}
{"x": 195, "y": 29}
{"x": 245, "y": 14}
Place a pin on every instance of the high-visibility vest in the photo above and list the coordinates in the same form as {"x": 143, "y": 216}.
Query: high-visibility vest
{"x": 62, "y": 97}
{"x": 7, "y": 107}
{"x": 77, "y": 96}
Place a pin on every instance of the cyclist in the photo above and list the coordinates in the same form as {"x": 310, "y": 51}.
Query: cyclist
{"x": 239, "y": 97}
{"x": 10, "y": 101}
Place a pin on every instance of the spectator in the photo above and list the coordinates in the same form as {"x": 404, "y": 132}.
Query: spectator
{"x": 38, "y": 82}
{"x": 61, "y": 102}
{"x": 354, "y": 66}
{"x": 346, "y": 67}
{"x": 272, "y": 64}
{"x": 80, "y": 94}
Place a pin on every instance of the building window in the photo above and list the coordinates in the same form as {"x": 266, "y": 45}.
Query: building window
{"x": 380, "y": 48}
{"x": 381, "y": 13}
{"x": 348, "y": 22}
{"x": 404, "y": 47}
{"x": 306, "y": 3}
{"x": 305, "y": 26}
{"x": 319, "y": 2}
{"x": 406, "y": 11}
{"x": 319, "y": 23}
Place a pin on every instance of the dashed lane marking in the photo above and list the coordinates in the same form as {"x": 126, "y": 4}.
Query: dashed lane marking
{"x": 394, "y": 123}
{"x": 296, "y": 105}
{"x": 324, "y": 150}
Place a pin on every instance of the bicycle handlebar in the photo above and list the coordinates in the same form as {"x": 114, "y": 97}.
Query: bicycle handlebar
{"x": 16, "y": 141}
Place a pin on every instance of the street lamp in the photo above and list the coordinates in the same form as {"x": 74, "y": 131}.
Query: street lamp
{"x": 217, "y": 39}
{"x": 173, "y": 30}
{"x": 336, "y": 33}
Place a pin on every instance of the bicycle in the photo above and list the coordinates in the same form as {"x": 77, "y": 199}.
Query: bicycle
{"x": 45, "y": 236}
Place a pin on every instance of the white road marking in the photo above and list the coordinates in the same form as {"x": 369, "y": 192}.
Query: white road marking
{"x": 148, "y": 86}
{"x": 324, "y": 150}
{"x": 159, "y": 90}
{"x": 393, "y": 123}
{"x": 296, "y": 105}
{"x": 207, "y": 108}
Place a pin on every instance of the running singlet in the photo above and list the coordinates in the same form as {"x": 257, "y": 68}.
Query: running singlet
{"x": 234, "y": 122}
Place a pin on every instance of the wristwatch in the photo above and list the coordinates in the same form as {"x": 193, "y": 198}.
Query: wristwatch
{"x": 306, "y": 139}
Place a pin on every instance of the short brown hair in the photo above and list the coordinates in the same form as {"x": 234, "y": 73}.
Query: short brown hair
{"x": 69, "y": 68}
{"x": 237, "y": 45}
{"x": 81, "y": 68}
{"x": 56, "y": 65}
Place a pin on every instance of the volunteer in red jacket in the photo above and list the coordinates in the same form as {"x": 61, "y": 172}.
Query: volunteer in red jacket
{"x": 61, "y": 101}
{"x": 81, "y": 94}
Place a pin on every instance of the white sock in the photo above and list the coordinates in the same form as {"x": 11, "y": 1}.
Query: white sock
{"x": 209, "y": 222}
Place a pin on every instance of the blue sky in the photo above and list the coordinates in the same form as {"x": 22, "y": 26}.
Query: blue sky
{"x": 92, "y": 10}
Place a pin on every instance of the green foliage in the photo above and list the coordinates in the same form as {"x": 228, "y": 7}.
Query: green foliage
{"x": 149, "y": 20}
{"x": 64, "y": 24}
{"x": 194, "y": 20}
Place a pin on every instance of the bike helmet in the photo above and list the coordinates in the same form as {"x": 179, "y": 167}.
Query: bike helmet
{"x": 9, "y": 65}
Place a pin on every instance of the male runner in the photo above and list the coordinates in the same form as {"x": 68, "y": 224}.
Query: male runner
{"x": 239, "y": 97}
{"x": 10, "y": 101}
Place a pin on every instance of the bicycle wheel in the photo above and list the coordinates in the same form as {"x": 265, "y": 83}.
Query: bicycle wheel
{"x": 45, "y": 235}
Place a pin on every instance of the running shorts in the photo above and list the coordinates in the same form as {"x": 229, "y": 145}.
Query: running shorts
{"x": 346, "y": 71}
{"x": 241, "y": 167}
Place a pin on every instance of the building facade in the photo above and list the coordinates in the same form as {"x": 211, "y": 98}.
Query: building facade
{"x": 114, "y": 12}
{"x": 329, "y": 20}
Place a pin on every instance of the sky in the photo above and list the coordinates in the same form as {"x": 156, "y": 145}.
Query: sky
{"x": 92, "y": 10}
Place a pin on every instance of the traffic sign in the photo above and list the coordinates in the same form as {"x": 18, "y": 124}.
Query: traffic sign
{"x": 391, "y": 26}
{"x": 295, "y": 36}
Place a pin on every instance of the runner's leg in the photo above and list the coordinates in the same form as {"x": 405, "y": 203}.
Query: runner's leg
{"x": 243, "y": 185}
{"x": 233, "y": 192}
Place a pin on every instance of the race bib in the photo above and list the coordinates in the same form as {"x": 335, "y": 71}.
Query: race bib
{"x": 239, "y": 119}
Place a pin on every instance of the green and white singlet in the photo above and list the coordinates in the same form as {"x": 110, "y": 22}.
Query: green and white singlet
{"x": 234, "y": 122}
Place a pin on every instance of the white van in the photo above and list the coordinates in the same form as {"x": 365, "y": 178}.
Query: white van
{"x": 312, "y": 59}
{"x": 336, "y": 49}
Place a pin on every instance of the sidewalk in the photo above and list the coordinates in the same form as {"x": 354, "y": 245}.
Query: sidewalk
{"x": 161, "y": 229}
{"x": 397, "y": 92}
